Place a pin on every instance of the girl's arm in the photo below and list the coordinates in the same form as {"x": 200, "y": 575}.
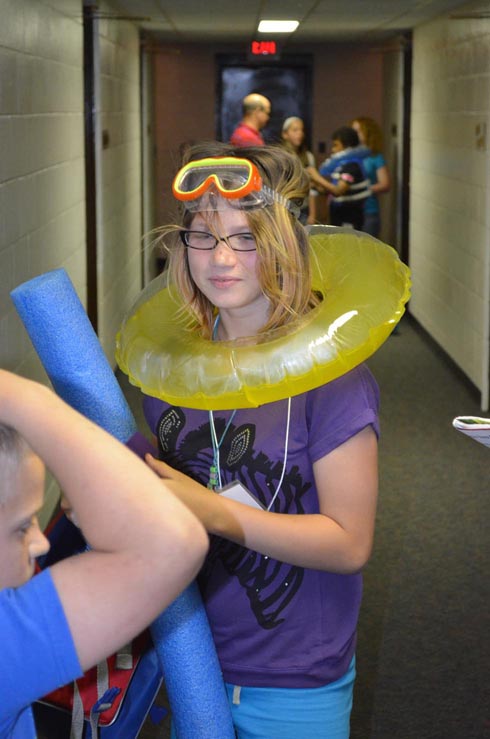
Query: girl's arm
{"x": 311, "y": 209}
{"x": 338, "y": 539}
{"x": 316, "y": 178}
{"x": 383, "y": 183}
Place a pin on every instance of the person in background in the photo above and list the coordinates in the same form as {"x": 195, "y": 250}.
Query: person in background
{"x": 370, "y": 135}
{"x": 282, "y": 583}
{"x": 293, "y": 140}
{"x": 344, "y": 177}
{"x": 256, "y": 113}
{"x": 145, "y": 547}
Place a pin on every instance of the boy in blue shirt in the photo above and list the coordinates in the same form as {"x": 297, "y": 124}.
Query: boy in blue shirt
{"x": 344, "y": 178}
{"x": 145, "y": 547}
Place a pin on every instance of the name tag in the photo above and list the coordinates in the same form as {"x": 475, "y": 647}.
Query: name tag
{"x": 237, "y": 491}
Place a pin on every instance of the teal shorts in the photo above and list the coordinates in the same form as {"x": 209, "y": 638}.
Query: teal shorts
{"x": 293, "y": 713}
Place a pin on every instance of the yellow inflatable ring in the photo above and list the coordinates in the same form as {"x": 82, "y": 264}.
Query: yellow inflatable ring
{"x": 365, "y": 288}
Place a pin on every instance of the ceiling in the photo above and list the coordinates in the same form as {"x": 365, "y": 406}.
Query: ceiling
{"x": 235, "y": 21}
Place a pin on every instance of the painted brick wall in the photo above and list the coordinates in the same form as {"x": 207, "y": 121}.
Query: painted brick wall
{"x": 42, "y": 167}
{"x": 449, "y": 223}
{"x": 42, "y": 191}
{"x": 42, "y": 197}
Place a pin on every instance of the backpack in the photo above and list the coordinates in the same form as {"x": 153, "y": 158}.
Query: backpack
{"x": 113, "y": 698}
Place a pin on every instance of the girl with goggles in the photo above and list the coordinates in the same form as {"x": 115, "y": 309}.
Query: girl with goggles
{"x": 287, "y": 489}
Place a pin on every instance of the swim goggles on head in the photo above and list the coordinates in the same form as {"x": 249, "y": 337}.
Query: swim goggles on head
{"x": 216, "y": 183}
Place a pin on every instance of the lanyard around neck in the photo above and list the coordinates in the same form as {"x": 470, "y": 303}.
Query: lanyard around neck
{"x": 214, "y": 470}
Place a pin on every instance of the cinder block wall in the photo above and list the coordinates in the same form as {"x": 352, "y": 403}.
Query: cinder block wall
{"x": 42, "y": 181}
{"x": 449, "y": 208}
{"x": 42, "y": 195}
{"x": 42, "y": 167}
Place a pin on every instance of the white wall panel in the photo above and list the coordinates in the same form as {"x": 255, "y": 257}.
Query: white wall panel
{"x": 449, "y": 213}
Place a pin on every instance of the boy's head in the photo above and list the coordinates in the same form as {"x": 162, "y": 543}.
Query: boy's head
{"x": 21, "y": 498}
{"x": 344, "y": 137}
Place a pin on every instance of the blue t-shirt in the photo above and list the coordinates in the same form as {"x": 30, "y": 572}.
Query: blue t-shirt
{"x": 371, "y": 165}
{"x": 274, "y": 624}
{"x": 38, "y": 653}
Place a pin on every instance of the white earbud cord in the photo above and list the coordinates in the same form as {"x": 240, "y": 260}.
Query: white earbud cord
{"x": 286, "y": 443}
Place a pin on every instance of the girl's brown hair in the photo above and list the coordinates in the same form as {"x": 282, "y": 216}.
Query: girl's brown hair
{"x": 371, "y": 132}
{"x": 283, "y": 265}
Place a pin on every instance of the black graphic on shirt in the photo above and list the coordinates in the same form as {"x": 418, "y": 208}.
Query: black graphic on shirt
{"x": 270, "y": 585}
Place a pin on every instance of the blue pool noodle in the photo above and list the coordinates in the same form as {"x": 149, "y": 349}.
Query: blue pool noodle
{"x": 71, "y": 353}
{"x": 75, "y": 363}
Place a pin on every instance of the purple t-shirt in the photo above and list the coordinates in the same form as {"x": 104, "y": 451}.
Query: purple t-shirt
{"x": 274, "y": 624}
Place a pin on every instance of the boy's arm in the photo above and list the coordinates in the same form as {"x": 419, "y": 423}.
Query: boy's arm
{"x": 146, "y": 546}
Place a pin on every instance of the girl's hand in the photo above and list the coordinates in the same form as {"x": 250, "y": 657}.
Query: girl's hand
{"x": 190, "y": 492}
{"x": 163, "y": 470}
{"x": 215, "y": 513}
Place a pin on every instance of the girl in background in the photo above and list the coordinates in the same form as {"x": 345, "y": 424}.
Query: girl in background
{"x": 293, "y": 140}
{"x": 370, "y": 134}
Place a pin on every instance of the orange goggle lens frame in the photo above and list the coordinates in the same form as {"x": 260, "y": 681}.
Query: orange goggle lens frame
{"x": 210, "y": 169}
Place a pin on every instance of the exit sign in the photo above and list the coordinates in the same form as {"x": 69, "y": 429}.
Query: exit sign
{"x": 263, "y": 48}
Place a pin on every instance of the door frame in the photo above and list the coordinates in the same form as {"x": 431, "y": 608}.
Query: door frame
{"x": 305, "y": 61}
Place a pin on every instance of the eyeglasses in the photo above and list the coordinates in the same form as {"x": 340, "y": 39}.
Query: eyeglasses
{"x": 206, "y": 241}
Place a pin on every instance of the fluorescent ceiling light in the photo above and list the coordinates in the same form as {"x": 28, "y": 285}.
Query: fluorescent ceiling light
{"x": 277, "y": 26}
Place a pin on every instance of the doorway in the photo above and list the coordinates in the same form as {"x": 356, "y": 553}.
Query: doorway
{"x": 287, "y": 84}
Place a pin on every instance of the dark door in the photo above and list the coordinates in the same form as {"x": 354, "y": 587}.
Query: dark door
{"x": 287, "y": 84}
